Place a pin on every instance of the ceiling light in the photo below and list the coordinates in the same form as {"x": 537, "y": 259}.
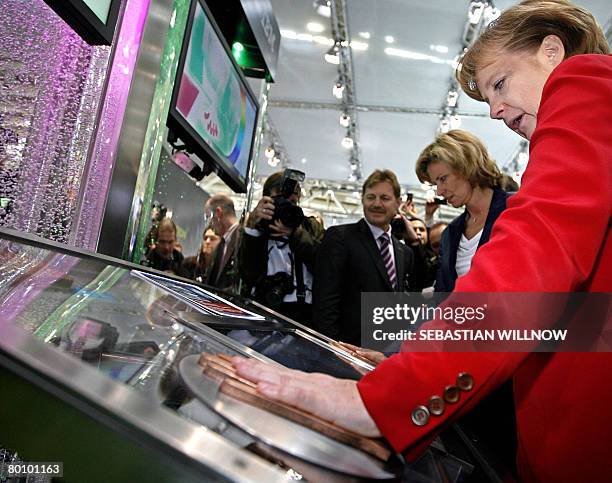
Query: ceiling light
{"x": 338, "y": 90}
{"x": 304, "y": 160}
{"x": 274, "y": 162}
{"x": 315, "y": 27}
{"x": 491, "y": 13}
{"x": 332, "y": 59}
{"x": 523, "y": 157}
{"x": 356, "y": 45}
{"x": 304, "y": 37}
{"x": 288, "y": 34}
{"x": 320, "y": 39}
{"x": 352, "y": 178}
{"x": 347, "y": 142}
{"x": 389, "y": 39}
{"x": 345, "y": 120}
{"x": 455, "y": 122}
{"x": 269, "y": 152}
{"x": 364, "y": 35}
{"x": 444, "y": 125}
{"x": 323, "y": 7}
{"x": 451, "y": 98}
{"x": 475, "y": 12}
{"x": 333, "y": 54}
{"x": 443, "y": 49}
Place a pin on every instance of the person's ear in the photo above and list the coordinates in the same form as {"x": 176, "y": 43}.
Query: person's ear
{"x": 552, "y": 50}
{"x": 219, "y": 212}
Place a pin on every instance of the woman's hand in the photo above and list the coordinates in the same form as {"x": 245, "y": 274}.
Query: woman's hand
{"x": 370, "y": 355}
{"x": 335, "y": 400}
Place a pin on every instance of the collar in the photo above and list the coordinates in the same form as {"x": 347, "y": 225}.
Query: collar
{"x": 230, "y": 231}
{"x": 376, "y": 231}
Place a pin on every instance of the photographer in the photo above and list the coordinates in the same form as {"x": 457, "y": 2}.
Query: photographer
{"x": 278, "y": 248}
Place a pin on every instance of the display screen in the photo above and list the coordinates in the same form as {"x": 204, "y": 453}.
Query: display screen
{"x": 93, "y": 20}
{"x": 213, "y": 110}
{"x": 100, "y": 8}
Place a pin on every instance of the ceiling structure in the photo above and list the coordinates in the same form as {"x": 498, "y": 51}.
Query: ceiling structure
{"x": 403, "y": 57}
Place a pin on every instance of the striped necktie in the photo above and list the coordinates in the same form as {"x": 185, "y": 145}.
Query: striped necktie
{"x": 385, "y": 251}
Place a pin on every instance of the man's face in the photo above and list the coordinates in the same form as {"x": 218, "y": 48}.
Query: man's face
{"x": 165, "y": 243}
{"x": 380, "y": 204}
{"x": 420, "y": 229}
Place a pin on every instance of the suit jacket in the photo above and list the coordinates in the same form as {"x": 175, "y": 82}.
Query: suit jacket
{"x": 554, "y": 236}
{"x": 348, "y": 263}
{"x": 223, "y": 272}
{"x": 451, "y": 236}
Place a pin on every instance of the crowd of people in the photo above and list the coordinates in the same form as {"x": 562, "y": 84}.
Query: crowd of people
{"x": 543, "y": 68}
{"x": 303, "y": 271}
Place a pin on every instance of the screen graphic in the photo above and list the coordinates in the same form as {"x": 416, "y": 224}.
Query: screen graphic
{"x": 212, "y": 98}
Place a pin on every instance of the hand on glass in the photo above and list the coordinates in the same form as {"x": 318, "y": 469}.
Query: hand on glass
{"x": 263, "y": 211}
{"x": 335, "y": 400}
{"x": 370, "y": 355}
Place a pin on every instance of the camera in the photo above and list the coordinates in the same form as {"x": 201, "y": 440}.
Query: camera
{"x": 271, "y": 290}
{"x": 288, "y": 213}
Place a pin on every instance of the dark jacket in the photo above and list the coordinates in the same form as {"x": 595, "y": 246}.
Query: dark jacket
{"x": 222, "y": 272}
{"x": 349, "y": 263}
{"x": 449, "y": 244}
{"x": 253, "y": 252}
{"x": 173, "y": 264}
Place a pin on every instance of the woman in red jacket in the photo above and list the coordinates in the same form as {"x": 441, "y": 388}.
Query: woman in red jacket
{"x": 534, "y": 68}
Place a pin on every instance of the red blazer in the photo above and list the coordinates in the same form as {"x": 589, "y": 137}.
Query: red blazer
{"x": 553, "y": 237}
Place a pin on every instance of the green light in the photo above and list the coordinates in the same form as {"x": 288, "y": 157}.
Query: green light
{"x": 238, "y": 52}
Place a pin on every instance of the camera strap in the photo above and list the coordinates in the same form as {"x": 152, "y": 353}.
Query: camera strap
{"x": 298, "y": 266}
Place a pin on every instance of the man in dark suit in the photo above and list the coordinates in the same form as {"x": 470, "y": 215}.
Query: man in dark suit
{"x": 360, "y": 257}
{"x": 220, "y": 213}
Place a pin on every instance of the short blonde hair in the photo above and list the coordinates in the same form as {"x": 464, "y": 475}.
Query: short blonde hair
{"x": 522, "y": 28}
{"x": 465, "y": 154}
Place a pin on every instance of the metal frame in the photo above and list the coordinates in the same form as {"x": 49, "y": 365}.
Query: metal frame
{"x": 116, "y": 406}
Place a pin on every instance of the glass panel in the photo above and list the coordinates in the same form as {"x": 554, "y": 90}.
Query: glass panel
{"x": 136, "y": 326}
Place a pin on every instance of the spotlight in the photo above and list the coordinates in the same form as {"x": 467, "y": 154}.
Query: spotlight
{"x": 444, "y": 125}
{"x": 269, "y": 152}
{"x": 475, "y": 12}
{"x": 338, "y": 90}
{"x": 333, "y": 54}
{"x": 274, "y": 162}
{"x": 322, "y": 7}
{"x": 451, "y": 98}
{"x": 345, "y": 120}
{"x": 347, "y": 142}
{"x": 455, "y": 122}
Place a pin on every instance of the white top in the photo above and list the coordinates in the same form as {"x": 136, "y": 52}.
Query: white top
{"x": 280, "y": 259}
{"x": 465, "y": 252}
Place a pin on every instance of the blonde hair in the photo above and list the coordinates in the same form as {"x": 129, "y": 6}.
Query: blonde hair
{"x": 522, "y": 28}
{"x": 465, "y": 154}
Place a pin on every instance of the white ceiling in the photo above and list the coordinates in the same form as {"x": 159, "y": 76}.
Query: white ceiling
{"x": 387, "y": 139}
